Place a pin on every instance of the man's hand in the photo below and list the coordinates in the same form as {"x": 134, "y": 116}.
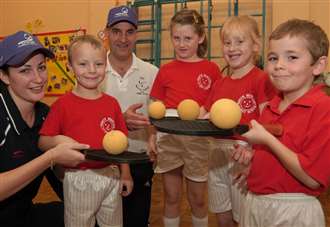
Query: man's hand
{"x": 135, "y": 120}
{"x": 126, "y": 180}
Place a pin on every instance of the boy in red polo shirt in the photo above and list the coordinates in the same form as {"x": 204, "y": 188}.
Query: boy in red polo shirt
{"x": 288, "y": 172}
{"x": 92, "y": 190}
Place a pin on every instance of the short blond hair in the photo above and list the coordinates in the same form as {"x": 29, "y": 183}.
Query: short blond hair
{"x": 95, "y": 42}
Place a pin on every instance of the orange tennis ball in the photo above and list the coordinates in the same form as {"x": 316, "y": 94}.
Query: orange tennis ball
{"x": 225, "y": 113}
{"x": 115, "y": 142}
{"x": 156, "y": 110}
{"x": 188, "y": 109}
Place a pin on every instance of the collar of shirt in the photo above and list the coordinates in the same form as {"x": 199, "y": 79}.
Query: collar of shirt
{"x": 307, "y": 100}
{"x": 133, "y": 67}
{"x": 13, "y": 114}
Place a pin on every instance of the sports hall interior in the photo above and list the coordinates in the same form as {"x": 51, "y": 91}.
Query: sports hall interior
{"x": 49, "y": 16}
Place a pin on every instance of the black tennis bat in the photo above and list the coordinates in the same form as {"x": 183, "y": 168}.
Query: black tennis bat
{"x": 203, "y": 127}
{"x": 125, "y": 157}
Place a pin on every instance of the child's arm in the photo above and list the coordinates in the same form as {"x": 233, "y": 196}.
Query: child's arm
{"x": 152, "y": 147}
{"x": 289, "y": 159}
{"x": 262, "y": 106}
{"x": 152, "y": 135}
{"x": 243, "y": 156}
{"x": 203, "y": 114}
{"x": 48, "y": 142}
{"x": 126, "y": 180}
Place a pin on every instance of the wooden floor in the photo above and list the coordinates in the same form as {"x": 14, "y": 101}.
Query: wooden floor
{"x": 46, "y": 194}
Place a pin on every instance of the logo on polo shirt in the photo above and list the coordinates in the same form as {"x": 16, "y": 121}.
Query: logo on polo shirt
{"x": 107, "y": 124}
{"x": 247, "y": 103}
{"x": 204, "y": 81}
{"x": 142, "y": 86}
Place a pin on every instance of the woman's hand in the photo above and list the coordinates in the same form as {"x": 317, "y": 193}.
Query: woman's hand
{"x": 68, "y": 153}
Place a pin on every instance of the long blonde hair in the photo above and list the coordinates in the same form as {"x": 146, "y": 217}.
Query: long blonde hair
{"x": 242, "y": 24}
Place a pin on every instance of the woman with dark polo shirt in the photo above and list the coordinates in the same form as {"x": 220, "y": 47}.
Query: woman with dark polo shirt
{"x": 23, "y": 78}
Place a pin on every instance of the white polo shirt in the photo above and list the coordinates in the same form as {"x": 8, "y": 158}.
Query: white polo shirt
{"x": 133, "y": 87}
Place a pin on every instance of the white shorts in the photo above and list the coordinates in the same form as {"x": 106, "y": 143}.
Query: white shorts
{"x": 282, "y": 210}
{"x": 92, "y": 194}
{"x": 222, "y": 194}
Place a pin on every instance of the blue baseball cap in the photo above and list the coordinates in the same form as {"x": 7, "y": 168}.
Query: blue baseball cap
{"x": 15, "y": 48}
{"x": 122, "y": 13}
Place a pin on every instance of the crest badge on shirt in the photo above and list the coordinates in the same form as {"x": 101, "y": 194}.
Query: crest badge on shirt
{"x": 142, "y": 86}
{"x": 107, "y": 124}
{"x": 247, "y": 103}
{"x": 204, "y": 81}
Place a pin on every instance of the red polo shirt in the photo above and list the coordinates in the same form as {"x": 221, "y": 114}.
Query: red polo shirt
{"x": 306, "y": 125}
{"x": 249, "y": 92}
{"x": 180, "y": 80}
{"x": 84, "y": 120}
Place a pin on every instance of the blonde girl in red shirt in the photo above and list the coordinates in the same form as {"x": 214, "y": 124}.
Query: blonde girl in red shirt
{"x": 251, "y": 88}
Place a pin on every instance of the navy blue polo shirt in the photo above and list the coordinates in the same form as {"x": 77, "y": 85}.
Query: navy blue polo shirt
{"x": 18, "y": 145}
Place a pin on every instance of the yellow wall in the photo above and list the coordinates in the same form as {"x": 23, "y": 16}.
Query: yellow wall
{"x": 59, "y": 15}
{"x": 315, "y": 10}
{"x": 55, "y": 15}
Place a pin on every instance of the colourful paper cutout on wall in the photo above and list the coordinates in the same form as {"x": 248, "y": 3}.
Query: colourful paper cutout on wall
{"x": 60, "y": 79}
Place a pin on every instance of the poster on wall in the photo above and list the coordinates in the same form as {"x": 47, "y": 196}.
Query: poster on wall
{"x": 60, "y": 79}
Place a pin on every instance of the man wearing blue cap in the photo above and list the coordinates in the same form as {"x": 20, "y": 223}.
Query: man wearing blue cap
{"x": 130, "y": 79}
